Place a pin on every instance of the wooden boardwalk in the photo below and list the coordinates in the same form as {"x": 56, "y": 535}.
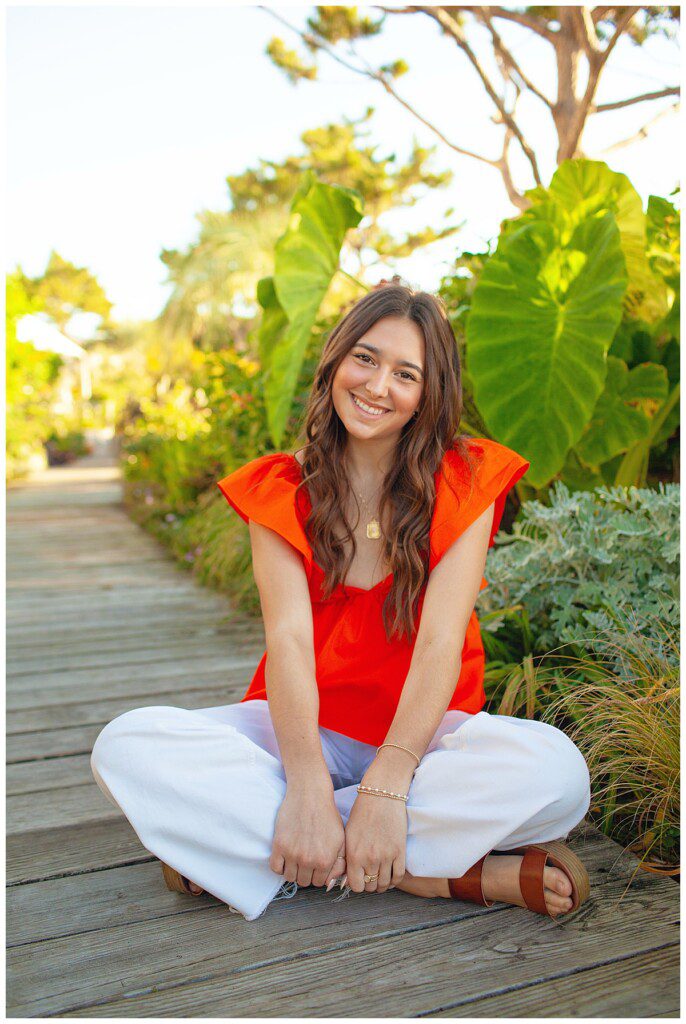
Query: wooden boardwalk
{"x": 101, "y": 620}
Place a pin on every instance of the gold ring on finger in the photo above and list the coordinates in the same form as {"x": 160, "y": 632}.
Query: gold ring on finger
{"x": 370, "y": 878}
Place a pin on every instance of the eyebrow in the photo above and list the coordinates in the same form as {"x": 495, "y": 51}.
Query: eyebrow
{"x": 376, "y": 351}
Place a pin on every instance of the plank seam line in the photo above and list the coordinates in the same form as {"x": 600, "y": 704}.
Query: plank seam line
{"x": 84, "y": 725}
{"x": 50, "y": 757}
{"x": 74, "y": 673}
{"x": 47, "y": 789}
{"x": 74, "y": 874}
{"x": 569, "y": 973}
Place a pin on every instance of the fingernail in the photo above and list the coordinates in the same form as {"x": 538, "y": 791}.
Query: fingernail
{"x": 344, "y": 879}
{"x": 331, "y": 885}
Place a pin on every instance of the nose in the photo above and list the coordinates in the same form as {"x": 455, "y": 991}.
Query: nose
{"x": 377, "y": 386}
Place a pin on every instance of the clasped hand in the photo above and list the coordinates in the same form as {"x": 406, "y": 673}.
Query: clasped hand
{"x": 375, "y": 839}
{"x": 312, "y": 847}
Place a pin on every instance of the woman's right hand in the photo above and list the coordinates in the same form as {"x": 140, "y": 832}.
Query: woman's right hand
{"x": 309, "y": 836}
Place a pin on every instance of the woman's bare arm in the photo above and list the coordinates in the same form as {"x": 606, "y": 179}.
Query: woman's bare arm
{"x": 290, "y": 669}
{"x": 309, "y": 837}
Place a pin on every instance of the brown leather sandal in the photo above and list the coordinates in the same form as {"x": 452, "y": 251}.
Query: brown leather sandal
{"x": 536, "y": 857}
{"x": 177, "y": 882}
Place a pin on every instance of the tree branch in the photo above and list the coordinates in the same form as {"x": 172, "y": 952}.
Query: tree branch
{"x": 584, "y": 27}
{"x": 451, "y": 28}
{"x": 599, "y": 13}
{"x": 368, "y": 72}
{"x": 670, "y": 91}
{"x": 527, "y": 20}
{"x": 483, "y": 13}
{"x": 597, "y": 58}
{"x": 620, "y": 25}
{"x": 641, "y": 133}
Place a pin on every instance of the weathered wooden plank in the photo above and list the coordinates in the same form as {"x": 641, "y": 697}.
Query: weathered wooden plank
{"x": 74, "y": 850}
{"x": 213, "y": 964}
{"x": 105, "y": 638}
{"x": 41, "y": 776}
{"x": 92, "y": 902}
{"x": 119, "y": 601}
{"x": 69, "y": 653}
{"x": 122, "y": 679}
{"x": 57, "y": 808}
{"x": 231, "y": 678}
{"x": 153, "y": 616}
{"x": 51, "y": 743}
{"x": 648, "y": 982}
{"x": 50, "y": 717}
{"x": 175, "y": 650}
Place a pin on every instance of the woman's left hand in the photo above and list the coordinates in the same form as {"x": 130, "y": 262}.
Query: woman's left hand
{"x": 375, "y": 840}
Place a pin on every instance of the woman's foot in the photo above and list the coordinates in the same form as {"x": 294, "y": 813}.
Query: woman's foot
{"x": 195, "y": 889}
{"x": 500, "y": 882}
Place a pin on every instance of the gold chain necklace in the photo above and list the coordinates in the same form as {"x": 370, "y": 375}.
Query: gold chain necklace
{"x": 373, "y": 526}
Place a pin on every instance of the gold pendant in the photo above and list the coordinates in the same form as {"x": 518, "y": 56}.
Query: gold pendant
{"x": 373, "y": 530}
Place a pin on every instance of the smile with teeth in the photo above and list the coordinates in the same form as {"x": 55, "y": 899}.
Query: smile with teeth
{"x": 370, "y": 410}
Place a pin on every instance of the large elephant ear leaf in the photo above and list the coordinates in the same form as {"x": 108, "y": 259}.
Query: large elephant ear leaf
{"x": 274, "y": 321}
{"x": 586, "y": 186}
{"x": 542, "y": 318}
{"x": 306, "y": 259}
{"x": 620, "y": 418}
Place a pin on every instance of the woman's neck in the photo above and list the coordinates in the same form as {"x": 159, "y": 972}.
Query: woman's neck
{"x": 370, "y": 461}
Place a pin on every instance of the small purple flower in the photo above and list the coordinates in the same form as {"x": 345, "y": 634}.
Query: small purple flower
{"x": 189, "y": 557}
{"x": 170, "y": 517}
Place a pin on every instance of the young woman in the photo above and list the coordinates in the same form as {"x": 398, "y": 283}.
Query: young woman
{"x": 360, "y": 752}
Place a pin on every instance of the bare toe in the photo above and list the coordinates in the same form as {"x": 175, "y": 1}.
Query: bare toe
{"x": 557, "y": 904}
{"x": 557, "y": 881}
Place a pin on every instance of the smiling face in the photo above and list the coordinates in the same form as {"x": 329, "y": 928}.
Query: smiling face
{"x": 384, "y": 371}
{"x": 379, "y": 383}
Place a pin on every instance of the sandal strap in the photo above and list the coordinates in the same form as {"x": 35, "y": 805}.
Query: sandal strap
{"x": 531, "y": 880}
{"x": 468, "y": 886}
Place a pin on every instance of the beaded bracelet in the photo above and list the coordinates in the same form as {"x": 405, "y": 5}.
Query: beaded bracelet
{"x": 375, "y": 791}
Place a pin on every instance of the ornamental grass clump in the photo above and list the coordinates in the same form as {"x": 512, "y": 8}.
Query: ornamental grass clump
{"x": 620, "y": 705}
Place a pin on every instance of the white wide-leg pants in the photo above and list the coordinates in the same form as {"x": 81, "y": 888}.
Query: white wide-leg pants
{"x": 202, "y": 790}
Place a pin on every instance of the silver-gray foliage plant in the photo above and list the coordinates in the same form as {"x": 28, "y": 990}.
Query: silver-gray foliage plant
{"x": 589, "y": 559}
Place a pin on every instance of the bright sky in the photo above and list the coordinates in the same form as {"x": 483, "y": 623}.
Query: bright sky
{"x": 123, "y": 123}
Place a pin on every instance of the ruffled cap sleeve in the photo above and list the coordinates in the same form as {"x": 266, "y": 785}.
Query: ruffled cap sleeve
{"x": 264, "y": 490}
{"x": 460, "y": 501}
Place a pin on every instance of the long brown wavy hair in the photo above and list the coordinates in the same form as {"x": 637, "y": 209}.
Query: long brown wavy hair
{"x": 408, "y": 489}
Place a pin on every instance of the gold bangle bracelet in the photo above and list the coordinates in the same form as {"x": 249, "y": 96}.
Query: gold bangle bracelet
{"x": 400, "y": 747}
{"x": 375, "y": 791}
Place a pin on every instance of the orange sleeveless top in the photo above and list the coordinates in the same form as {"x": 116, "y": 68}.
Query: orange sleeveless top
{"x": 360, "y": 675}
